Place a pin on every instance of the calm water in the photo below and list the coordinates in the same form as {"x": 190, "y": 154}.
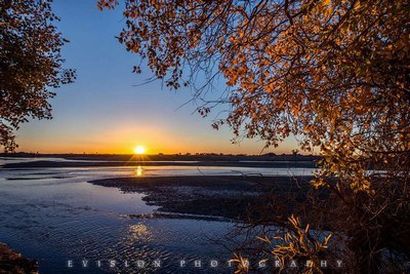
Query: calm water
{"x": 53, "y": 215}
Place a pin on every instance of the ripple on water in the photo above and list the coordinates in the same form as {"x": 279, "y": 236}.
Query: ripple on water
{"x": 56, "y": 219}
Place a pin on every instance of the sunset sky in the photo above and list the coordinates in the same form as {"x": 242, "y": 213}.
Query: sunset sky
{"x": 107, "y": 110}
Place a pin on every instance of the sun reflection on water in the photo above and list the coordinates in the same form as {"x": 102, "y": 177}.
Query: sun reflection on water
{"x": 140, "y": 232}
{"x": 139, "y": 171}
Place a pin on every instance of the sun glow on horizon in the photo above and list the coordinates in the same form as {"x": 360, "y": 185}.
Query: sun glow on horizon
{"x": 139, "y": 150}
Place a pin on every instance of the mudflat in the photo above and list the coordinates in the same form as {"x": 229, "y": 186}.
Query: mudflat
{"x": 233, "y": 197}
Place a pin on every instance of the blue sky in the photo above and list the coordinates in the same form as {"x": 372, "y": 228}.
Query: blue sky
{"x": 107, "y": 110}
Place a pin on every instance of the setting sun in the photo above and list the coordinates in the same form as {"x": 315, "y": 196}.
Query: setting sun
{"x": 139, "y": 150}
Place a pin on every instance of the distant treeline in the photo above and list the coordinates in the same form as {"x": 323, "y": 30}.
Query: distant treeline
{"x": 170, "y": 157}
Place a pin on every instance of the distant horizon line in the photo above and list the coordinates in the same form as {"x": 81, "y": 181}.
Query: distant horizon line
{"x": 155, "y": 154}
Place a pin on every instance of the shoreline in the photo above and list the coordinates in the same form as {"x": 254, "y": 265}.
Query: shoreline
{"x": 13, "y": 262}
{"x": 90, "y": 163}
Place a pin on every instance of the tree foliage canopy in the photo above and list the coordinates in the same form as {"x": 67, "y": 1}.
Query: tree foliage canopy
{"x": 333, "y": 72}
{"x": 30, "y": 64}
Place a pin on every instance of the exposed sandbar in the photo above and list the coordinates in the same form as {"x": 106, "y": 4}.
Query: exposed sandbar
{"x": 231, "y": 197}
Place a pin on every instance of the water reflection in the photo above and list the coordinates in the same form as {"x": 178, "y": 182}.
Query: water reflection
{"x": 140, "y": 232}
{"x": 139, "y": 171}
{"x": 59, "y": 216}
